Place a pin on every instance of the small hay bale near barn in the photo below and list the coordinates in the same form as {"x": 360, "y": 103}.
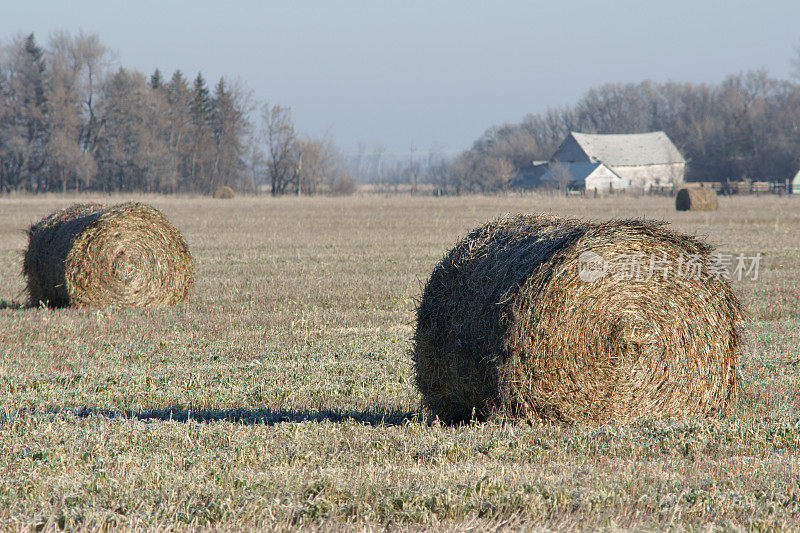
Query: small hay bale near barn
{"x": 224, "y": 193}
{"x": 88, "y": 255}
{"x": 532, "y": 317}
{"x": 696, "y": 199}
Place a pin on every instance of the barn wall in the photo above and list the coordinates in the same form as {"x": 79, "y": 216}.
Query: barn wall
{"x": 646, "y": 176}
{"x": 601, "y": 179}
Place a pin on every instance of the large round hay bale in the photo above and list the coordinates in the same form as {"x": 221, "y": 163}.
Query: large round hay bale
{"x": 93, "y": 256}
{"x": 696, "y": 199}
{"x": 536, "y": 318}
{"x": 224, "y": 193}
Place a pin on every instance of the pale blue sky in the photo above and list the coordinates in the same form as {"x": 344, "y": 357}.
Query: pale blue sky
{"x": 427, "y": 72}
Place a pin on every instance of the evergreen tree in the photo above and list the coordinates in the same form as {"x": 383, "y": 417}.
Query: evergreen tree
{"x": 179, "y": 100}
{"x": 35, "y": 76}
{"x": 201, "y": 104}
{"x": 202, "y": 155}
{"x": 228, "y": 124}
{"x": 24, "y": 134}
{"x": 156, "y": 80}
{"x": 178, "y": 91}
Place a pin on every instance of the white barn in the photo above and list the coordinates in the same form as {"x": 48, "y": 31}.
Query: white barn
{"x": 592, "y": 177}
{"x": 643, "y": 159}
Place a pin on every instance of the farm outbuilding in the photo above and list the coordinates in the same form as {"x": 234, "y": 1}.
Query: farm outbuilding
{"x": 591, "y": 177}
{"x": 530, "y": 177}
{"x": 645, "y": 160}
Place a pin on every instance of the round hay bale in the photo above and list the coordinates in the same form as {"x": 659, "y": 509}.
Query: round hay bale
{"x": 224, "y": 193}
{"x": 696, "y": 199}
{"x": 535, "y": 318}
{"x": 88, "y": 255}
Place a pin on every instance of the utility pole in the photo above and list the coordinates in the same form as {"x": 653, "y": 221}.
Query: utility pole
{"x": 298, "y": 169}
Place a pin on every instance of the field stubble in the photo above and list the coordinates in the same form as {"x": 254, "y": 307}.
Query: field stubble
{"x": 282, "y": 394}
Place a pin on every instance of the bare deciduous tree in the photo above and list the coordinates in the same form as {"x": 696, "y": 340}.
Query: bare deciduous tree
{"x": 131, "y": 153}
{"x": 281, "y": 141}
{"x": 88, "y": 59}
{"x": 323, "y": 168}
{"x": 561, "y": 177}
{"x": 68, "y": 160}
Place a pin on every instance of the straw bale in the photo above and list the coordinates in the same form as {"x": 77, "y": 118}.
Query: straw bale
{"x": 543, "y": 318}
{"x": 696, "y": 199}
{"x": 88, "y": 255}
{"x": 224, "y": 193}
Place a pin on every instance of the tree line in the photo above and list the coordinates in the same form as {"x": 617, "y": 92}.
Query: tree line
{"x": 71, "y": 120}
{"x": 747, "y": 126}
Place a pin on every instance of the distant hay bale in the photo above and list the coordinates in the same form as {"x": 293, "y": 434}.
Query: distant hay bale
{"x": 93, "y": 256}
{"x": 535, "y": 318}
{"x": 224, "y": 193}
{"x": 696, "y": 199}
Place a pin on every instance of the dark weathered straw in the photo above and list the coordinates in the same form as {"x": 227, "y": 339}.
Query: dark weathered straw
{"x": 224, "y": 193}
{"x": 507, "y": 326}
{"x": 696, "y": 199}
{"x": 92, "y": 256}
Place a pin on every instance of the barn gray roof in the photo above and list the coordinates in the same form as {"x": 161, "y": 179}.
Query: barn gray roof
{"x": 626, "y": 149}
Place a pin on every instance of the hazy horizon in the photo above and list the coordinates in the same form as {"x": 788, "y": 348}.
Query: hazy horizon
{"x": 427, "y": 74}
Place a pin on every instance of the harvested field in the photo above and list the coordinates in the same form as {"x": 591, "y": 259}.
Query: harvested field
{"x": 282, "y": 394}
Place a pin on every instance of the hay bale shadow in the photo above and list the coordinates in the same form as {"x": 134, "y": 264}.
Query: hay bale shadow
{"x": 268, "y": 417}
{"x": 11, "y": 304}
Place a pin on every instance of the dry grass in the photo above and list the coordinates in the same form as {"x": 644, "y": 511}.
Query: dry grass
{"x": 282, "y": 393}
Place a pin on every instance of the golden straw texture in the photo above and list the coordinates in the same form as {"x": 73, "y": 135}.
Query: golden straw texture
{"x": 93, "y": 256}
{"x": 696, "y": 199}
{"x": 509, "y": 325}
{"x": 224, "y": 193}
